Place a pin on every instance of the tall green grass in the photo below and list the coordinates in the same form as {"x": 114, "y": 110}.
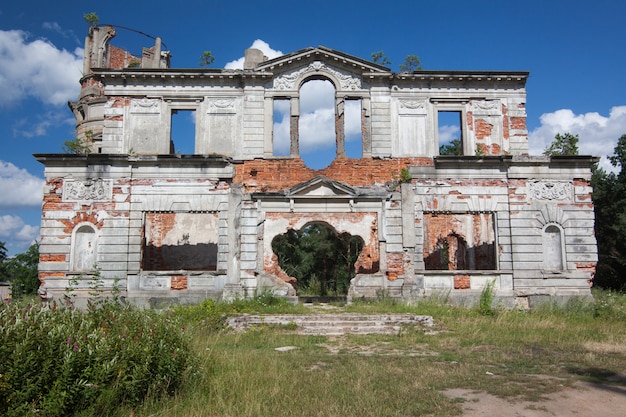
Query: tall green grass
{"x": 508, "y": 353}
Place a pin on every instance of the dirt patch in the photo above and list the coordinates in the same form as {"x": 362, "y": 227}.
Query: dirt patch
{"x": 580, "y": 400}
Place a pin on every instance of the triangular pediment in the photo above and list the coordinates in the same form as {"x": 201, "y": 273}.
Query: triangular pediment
{"x": 323, "y": 55}
{"x": 321, "y": 187}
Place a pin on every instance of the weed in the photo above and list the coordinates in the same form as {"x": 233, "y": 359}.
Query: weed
{"x": 485, "y": 303}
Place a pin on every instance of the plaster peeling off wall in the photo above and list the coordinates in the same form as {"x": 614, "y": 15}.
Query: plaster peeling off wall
{"x": 459, "y": 241}
{"x": 180, "y": 241}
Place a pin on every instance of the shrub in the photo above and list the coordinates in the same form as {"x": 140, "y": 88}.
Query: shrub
{"x": 61, "y": 362}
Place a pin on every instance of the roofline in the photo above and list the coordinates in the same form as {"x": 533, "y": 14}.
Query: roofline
{"x": 322, "y": 49}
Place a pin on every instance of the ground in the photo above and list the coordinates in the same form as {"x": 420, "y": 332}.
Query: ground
{"x": 581, "y": 400}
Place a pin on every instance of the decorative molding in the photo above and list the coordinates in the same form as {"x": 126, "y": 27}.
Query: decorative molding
{"x": 487, "y": 107}
{"x": 542, "y": 190}
{"x": 145, "y": 106}
{"x": 412, "y": 106}
{"x": 287, "y": 81}
{"x": 222, "y": 105}
{"x": 88, "y": 190}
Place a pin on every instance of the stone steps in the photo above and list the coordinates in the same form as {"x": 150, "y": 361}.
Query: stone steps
{"x": 334, "y": 324}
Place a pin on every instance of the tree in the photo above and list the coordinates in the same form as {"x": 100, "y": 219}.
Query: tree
{"x": 21, "y": 271}
{"x": 206, "y": 59}
{"x": 563, "y": 145}
{"x": 618, "y": 159}
{"x": 454, "y": 147}
{"x": 609, "y": 197}
{"x": 3, "y": 256}
{"x": 411, "y": 63}
{"x": 321, "y": 260}
{"x": 379, "y": 57}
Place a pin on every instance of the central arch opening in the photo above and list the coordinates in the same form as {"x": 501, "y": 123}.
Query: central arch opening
{"x": 317, "y": 123}
{"x": 321, "y": 260}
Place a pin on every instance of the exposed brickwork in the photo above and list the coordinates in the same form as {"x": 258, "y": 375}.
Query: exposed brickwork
{"x": 450, "y": 245}
{"x": 462, "y": 282}
{"x": 482, "y": 129}
{"x": 279, "y": 174}
{"x": 179, "y": 282}
{"x": 395, "y": 265}
{"x": 119, "y": 58}
{"x": 52, "y": 257}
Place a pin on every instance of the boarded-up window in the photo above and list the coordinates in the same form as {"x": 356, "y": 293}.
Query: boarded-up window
{"x": 459, "y": 241}
{"x": 175, "y": 241}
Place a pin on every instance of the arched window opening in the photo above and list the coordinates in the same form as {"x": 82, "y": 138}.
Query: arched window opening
{"x": 317, "y": 139}
{"x": 322, "y": 261}
{"x": 353, "y": 129}
{"x": 84, "y": 252}
{"x": 552, "y": 248}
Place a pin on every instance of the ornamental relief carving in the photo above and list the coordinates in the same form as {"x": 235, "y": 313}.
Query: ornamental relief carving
{"x": 487, "y": 107}
{"x": 145, "y": 106}
{"x": 88, "y": 190}
{"x": 412, "y": 106}
{"x": 287, "y": 81}
{"x": 222, "y": 105}
{"x": 541, "y": 190}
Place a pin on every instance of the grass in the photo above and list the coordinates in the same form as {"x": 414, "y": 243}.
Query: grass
{"x": 510, "y": 354}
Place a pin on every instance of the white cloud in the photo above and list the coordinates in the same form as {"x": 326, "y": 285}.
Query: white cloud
{"x": 38, "y": 69}
{"x": 598, "y": 134}
{"x": 257, "y": 44}
{"x": 18, "y": 187}
{"x": 447, "y": 133}
{"x": 66, "y": 33}
{"x": 39, "y": 124}
{"x": 18, "y": 235}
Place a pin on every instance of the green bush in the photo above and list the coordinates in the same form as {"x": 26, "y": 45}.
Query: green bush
{"x": 62, "y": 362}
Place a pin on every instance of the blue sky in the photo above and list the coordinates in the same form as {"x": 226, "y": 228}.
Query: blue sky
{"x": 574, "y": 50}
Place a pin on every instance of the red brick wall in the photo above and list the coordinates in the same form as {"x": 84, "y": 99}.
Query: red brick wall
{"x": 278, "y": 174}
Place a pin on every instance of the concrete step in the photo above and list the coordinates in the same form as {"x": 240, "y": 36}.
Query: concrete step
{"x": 334, "y": 324}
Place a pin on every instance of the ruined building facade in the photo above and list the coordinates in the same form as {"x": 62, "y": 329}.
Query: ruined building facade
{"x": 160, "y": 225}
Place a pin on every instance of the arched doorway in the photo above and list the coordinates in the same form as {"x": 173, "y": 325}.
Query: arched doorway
{"x": 321, "y": 260}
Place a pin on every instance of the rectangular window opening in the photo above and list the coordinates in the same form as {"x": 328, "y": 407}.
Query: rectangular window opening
{"x": 450, "y": 133}
{"x": 180, "y": 241}
{"x": 183, "y": 132}
{"x": 281, "y": 142}
{"x": 353, "y": 121}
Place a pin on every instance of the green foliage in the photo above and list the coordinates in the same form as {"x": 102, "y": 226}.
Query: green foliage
{"x": 609, "y": 197}
{"x": 21, "y": 271}
{"x": 379, "y": 57}
{"x": 316, "y": 255}
{"x": 79, "y": 146}
{"x": 206, "y": 59}
{"x": 454, "y": 147}
{"x": 485, "y": 303}
{"x": 411, "y": 63}
{"x": 64, "y": 362}
{"x": 91, "y": 18}
{"x": 618, "y": 159}
{"x": 563, "y": 145}
{"x": 405, "y": 175}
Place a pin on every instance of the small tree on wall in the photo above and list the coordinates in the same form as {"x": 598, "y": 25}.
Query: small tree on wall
{"x": 563, "y": 145}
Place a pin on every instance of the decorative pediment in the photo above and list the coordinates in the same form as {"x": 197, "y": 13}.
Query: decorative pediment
{"x": 321, "y": 187}
{"x": 325, "y": 55}
{"x": 344, "y": 70}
